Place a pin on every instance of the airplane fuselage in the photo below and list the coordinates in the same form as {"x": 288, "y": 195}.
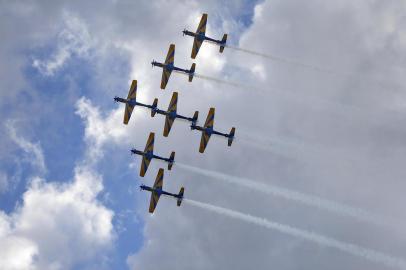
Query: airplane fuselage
{"x": 172, "y": 114}
{"x": 150, "y": 155}
{"x": 201, "y": 36}
{"x": 170, "y": 67}
{"x": 208, "y": 130}
{"x": 132, "y": 102}
{"x": 159, "y": 191}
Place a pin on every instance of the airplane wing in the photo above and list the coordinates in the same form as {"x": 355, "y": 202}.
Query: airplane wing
{"x": 206, "y": 136}
{"x": 144, "y": 165}
{"x": 173, "y": 105}
{"x": 170, "y": 58}
{"x": 210, "y": 119}
{"x": 157, "y": 185}
{"x": 165, "y": 78}
{"x": 168, "y": 125}
{"x": 172, "y": 108}
{"x": 204, "y": 141}
{"x": 200, "y": 29}
{"x": 127, "y": 113}
{"x": 150, "y": 143}
{"x": 148, "y": 147}
{"x": 132, "y": 94}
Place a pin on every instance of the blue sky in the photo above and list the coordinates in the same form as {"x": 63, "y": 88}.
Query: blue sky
{"x": 49, "y": 104}
{"x": 66, "y": 168}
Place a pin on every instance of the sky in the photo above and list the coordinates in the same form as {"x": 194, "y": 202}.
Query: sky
{"x": 313, "y": 180}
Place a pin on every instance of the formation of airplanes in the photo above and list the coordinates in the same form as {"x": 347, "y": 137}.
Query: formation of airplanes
{"x": 171, "y": 114}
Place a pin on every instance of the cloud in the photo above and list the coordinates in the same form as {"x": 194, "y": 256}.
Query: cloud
{"x": 33, "y": 151}
{"x": 99, "y": 130}
{"x": 57, "y": 226}
{"x": 346, "y": 123}
{"x": 359, "y": 114}
{"x": 74, "y": 39}
{"x": 3, "y": 182}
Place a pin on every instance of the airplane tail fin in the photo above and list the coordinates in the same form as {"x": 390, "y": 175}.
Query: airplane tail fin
{"x": 231, "y": 136}
{"x": 195, "y": 116}
{"x": 180, "y": 196}
{"x": 223, "y": 43}
{"x": 171, "y": 160}
{"x": 154, "y": 106}
{"x": 192, "y": 72}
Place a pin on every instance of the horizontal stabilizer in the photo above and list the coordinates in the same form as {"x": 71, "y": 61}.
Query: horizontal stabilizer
{"x": 192, "y": 72}
{"x": 231, "y": 136}
{"x": 195, "y": 116}
{"x": 223, "y": 43}
{"x": 154, "y": 106}
{"x": 171, "y": 160}
{"x": 180, "y": 196}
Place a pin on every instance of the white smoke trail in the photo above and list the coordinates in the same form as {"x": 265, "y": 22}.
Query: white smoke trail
{"x": 344, "y": 109}
{"x": 369, "y": 254}
{"x": 221, "y": 81}
{"x": 306, "y": 199}
{"x": 335, "y": 72}
{"x": 294, "y": 149}
{"x": 217, "y": 80}
{"x": 284, "y": 60}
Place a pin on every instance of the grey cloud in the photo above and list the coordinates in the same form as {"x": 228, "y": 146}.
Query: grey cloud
{"x": 353, "y": 123}
{"x": 350, "y": 125}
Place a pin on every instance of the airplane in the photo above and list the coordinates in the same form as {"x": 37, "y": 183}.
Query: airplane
{"x": 157, "y": 191}
{"x": 169, "y": 66}
{"x": 207, "y": 130}
{"x": 171, "y": 114}
{"x": 131, "y": 102}
{"x": 200, "y": 36}
{"x": 148, "y": 155}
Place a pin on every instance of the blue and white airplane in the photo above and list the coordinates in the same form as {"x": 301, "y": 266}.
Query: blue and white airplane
{"x": 169, "y": 66}
{"x": 157, "y": 191}
{"x": 200, "y": 36}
